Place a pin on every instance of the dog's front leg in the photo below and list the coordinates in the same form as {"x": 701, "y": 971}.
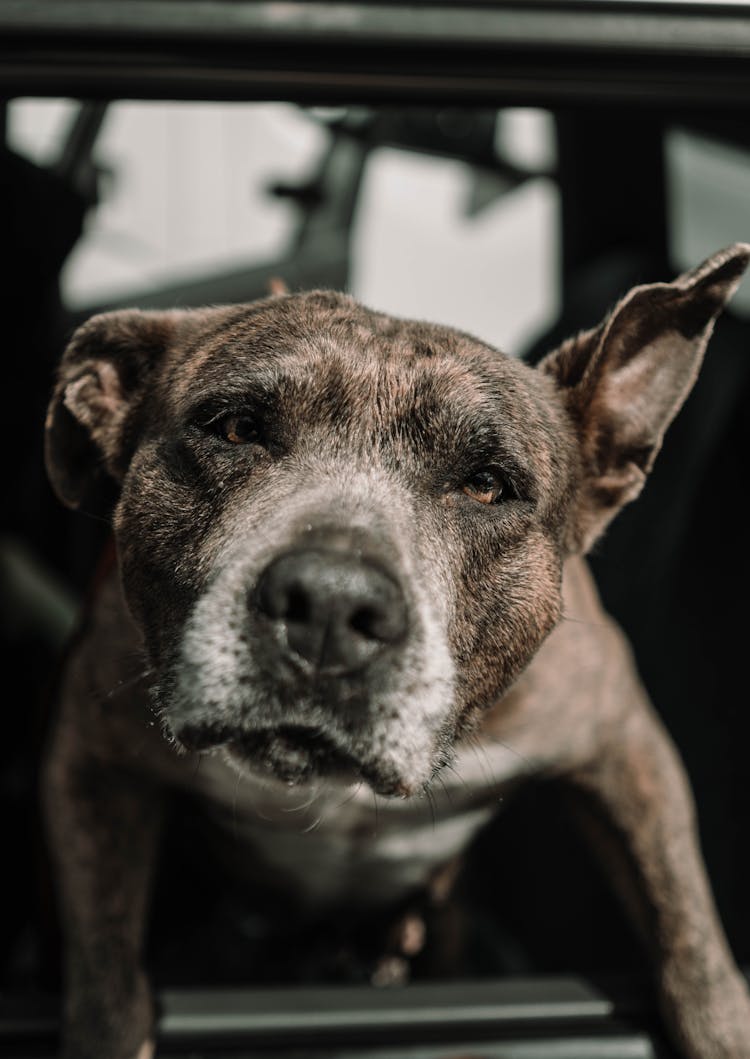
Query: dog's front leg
{"x": 645, "y": 826}
{"x": 103, "y": 828}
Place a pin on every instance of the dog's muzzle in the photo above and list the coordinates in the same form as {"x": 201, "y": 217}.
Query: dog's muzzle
{"x": 320, "y": 640}
{"x": 331, "y": 613}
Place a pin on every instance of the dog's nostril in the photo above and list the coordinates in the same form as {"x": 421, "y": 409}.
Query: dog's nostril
{"x": 365, "y": 621}
{"x": 298, "y": 606}
{"x": 379, "y": 623}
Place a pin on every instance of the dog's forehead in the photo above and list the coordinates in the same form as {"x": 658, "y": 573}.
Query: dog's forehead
{"x": 324, "y": 339}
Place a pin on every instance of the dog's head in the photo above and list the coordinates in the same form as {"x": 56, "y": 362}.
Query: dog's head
{"x": 342, "y": 534}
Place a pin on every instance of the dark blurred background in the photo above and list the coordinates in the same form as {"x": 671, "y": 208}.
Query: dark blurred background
{"x": 519, "y": 224}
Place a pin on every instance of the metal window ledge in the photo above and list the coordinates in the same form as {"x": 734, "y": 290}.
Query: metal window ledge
{"x": 546, "y": 53}
{"x": 537, "y": 1018}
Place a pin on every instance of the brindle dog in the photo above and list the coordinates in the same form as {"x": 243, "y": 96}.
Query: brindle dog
{"x": 346, "y": 543}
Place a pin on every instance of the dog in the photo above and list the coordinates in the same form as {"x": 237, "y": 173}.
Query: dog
{"x": 347, "y": 545}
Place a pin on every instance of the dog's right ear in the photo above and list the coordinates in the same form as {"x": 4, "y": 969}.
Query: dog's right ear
{"x": 623, "y": 382}
{"x": 93, "y": 416}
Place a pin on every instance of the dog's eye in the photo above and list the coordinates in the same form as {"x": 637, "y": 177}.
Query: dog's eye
{"x": 237, "y": 429}
{"x": 487, "y": 487}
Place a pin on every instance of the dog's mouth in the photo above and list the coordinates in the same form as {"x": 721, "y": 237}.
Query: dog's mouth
{"x": 294, "y": 754}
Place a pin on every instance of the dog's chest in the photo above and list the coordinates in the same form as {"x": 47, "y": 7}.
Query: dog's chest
{"x": 335, "y": 844}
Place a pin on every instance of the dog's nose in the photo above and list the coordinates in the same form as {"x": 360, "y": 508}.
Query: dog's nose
{"x": 339, "y": 610}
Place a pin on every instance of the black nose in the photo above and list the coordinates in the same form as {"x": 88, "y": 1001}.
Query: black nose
{"x": 339, "y": 611}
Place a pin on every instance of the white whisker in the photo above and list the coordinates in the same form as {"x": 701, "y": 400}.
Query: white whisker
{"x": 304, "y": 805}
{"x": 313, "y": 826}
{"x": 350, "y": 797}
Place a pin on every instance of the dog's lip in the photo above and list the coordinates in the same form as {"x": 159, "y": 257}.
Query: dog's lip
{"x": 312, "y": 754}
{"x": 294, "y": 753}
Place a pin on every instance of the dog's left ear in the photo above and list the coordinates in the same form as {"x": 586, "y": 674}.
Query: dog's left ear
{"x": 624, "y": 382}
{"x": 93, "y": 417}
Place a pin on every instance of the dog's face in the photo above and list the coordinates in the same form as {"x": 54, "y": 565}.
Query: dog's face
{"x": 354, "y": 525}
{"x": 341, "y": 534}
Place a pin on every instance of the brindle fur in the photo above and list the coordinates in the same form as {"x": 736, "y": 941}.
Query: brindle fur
{"x": 368, "y": 427}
